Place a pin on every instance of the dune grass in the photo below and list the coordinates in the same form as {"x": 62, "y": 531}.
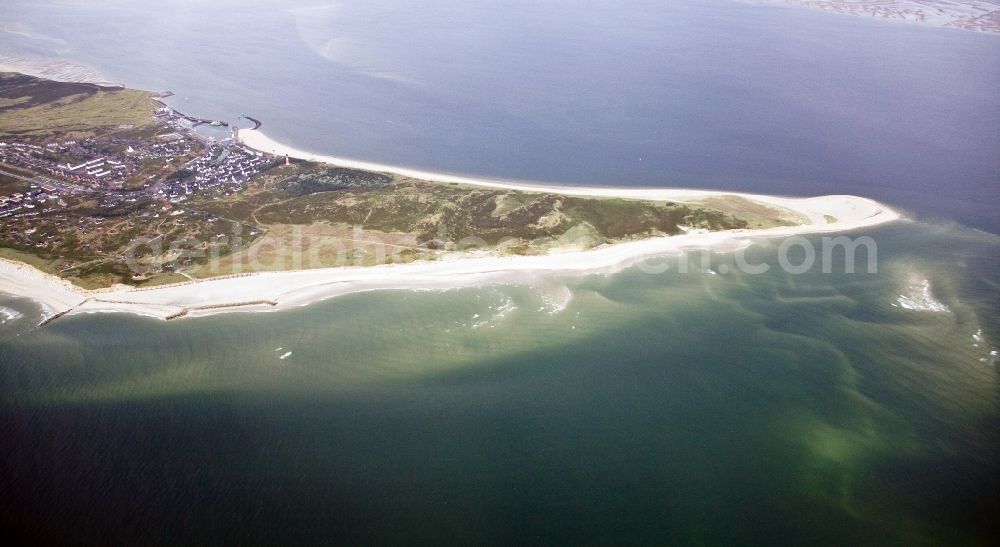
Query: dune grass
{"x": 77, "y": 115}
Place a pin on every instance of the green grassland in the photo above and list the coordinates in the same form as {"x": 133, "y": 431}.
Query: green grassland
{"x": 430, "y": 210}
{"x": 440, "y": 211}
{"x": 310, "y": 215}
{"x": 32, "y": 108}
{"x": 308, "y": 206}
{"x": 11, "y": 185}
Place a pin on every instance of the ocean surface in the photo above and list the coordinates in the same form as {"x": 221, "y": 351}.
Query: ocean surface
{"x": 712, "y": 407}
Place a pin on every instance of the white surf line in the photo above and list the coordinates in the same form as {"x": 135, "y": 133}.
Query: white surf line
{"x": 281, "y": 290}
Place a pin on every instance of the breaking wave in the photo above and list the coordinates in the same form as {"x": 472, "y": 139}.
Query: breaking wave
{"x": 8, "y": 315}
{"x": 920, "y": 298}
{"x": 555, "y": 299}
{"x": 500, "y": 312}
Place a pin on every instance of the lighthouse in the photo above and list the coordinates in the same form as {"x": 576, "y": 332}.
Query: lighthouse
{"x": 286, "y": 160}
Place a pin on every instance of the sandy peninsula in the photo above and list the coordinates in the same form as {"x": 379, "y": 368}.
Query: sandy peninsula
{"x": 268, "y": 291}
{"x": 850, "y": 211}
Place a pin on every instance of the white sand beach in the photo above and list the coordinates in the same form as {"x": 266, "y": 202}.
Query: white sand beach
{"x": 53, "y": 294}
{"x": 270, "y": 291}
{"x": 849, "y": 210}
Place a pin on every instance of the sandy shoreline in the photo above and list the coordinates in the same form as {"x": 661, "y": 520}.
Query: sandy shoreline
{"x": 815, "y": 209}
{"x": 269, "y": 291}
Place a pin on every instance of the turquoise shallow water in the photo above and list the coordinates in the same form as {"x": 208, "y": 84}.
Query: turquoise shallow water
{"x": 669, "y": 408}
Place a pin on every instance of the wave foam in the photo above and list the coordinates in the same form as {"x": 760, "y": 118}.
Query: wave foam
{"x": 920, "y": 298}
{"x": 993, "y": 358}
{"x": 500, "y": 312}
{"x": 9, "y": 315}
{"x": 555, "y": 299}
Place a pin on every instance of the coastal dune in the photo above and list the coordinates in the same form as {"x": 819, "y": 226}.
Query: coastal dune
{"x": 849, "y": 211}
{"x": 269, "y": 291}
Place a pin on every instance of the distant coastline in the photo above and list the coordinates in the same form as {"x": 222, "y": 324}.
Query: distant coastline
{"x": 981, "y": 16}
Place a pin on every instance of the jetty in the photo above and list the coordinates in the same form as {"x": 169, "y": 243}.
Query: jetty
{"x": 195, "y": 121}
{"x": 256, "y": 122}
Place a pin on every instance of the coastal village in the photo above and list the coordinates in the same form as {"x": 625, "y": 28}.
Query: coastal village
{"x": 103, "y": 186}
{"x": 80, "y": 197}
{"x": 118, "y": 169}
